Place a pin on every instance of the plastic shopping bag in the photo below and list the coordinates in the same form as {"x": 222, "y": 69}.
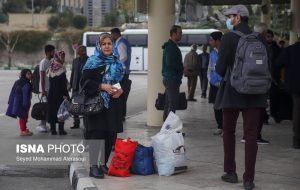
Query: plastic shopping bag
{"x": 123, "y": 156}
{"x": 169, "y": 152}
{"x": 63, "y": 113}
{"x": 173, "y": 122}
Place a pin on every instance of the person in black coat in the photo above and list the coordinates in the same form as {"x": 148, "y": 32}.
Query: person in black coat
{"x": 232, "y": 102}
{"x": 76, "y": 73}
{"x": 19, "y": 101}
{"x": 101, "y": 75}
{"x": 57, "y": 91}
{"x": 290, "y": 59}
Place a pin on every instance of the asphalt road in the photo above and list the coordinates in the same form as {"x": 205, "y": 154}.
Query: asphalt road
{"x": 14, "y": 177}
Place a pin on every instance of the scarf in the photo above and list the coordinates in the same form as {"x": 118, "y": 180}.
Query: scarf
{"x": 56, "y": 67}
{"x": 114, "y": 71}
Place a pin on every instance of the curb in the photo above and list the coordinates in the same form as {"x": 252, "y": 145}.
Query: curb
{"x": 79, "y": 177}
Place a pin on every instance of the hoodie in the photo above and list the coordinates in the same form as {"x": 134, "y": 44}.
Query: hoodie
{"x": 172, "y": 68}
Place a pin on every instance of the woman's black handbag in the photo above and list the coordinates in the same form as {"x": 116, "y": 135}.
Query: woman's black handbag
{"x": 39, "y": 110}
{"x": 160, "y": 101}
{"x": 85, "y": 105}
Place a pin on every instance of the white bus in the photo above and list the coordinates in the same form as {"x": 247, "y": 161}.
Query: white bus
{"x": 138, "y": 38}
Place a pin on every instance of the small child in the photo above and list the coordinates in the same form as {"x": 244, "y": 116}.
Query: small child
{"x": 20, "y": 99}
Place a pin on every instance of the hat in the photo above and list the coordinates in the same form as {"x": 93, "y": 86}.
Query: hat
{"x": 216, "y": 35}
{"x": 237, "y": 10}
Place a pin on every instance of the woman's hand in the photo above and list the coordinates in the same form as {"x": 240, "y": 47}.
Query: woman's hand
{"x": 117, "y": 93}
{"x": 108, "y": 88}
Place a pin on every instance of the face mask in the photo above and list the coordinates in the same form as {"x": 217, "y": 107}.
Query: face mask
{"x": 229, "y": 25}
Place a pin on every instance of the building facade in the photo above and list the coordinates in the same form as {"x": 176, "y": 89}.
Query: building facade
{"x": 95, "y": 10}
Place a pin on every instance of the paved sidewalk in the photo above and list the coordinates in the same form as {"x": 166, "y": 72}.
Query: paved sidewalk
{"x": 277, "y": 167}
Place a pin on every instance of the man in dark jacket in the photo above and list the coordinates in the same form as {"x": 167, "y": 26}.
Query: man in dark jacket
{"x": 77, "y": 66}
{"x": 172, "y": 70}
{"x": 204, "y": 62}
{"x": 290, "y": 59}
{"x": 232, "y": 102}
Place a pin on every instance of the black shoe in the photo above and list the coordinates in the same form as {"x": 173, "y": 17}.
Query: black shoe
{"x": 230, "y": 177}
{"x": 192, "y": 100}
{"x": 296, "y": 143}
{"x": 104, "y": 168}
{"x": 249, "y": 185}
{"x": 53, "y": 133}
{"x": 96, "y": 172}
{"x": 203, "y": 96}
{"x": 62, "y": 133}
{"x": 75, "y": 127}
{"x": 277, "y": 120}
{"x": 262, "y": 141}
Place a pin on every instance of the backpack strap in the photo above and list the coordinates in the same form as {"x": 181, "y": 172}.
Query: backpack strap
{"x": 238, "y": 33}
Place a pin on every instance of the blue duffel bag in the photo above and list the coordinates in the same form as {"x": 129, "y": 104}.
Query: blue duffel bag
{"x": 143, "y": 161}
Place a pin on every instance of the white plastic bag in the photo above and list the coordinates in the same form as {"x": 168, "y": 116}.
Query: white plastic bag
{"x": 169, "y": 152}
{"x": 63, "y": 113}
{"x": 173, "y": 122}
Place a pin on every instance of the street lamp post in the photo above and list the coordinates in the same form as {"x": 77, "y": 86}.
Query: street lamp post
{"x": 32, "y": 12}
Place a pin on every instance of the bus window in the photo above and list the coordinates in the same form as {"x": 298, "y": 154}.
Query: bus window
{"x": 197, "y": 39}
{"x": 184, "y": 40}
{"x": 137, "y": 40}
{"x": 91, "y": 40}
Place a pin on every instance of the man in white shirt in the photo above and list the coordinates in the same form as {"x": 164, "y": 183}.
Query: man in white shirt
{"x": 44, "y": 80}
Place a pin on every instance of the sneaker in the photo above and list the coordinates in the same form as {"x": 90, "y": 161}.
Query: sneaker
{"x": 262, "y": 141}
{"x": 243, "y": 141}
{"x": 42, "y": 129}
{"x": 248, "y": 185}
{"x": 192, "y": 100}
{"x": 75, "y": 127}
{"x": 218, "y": 132}
{"x": 26, "y": 133}
{"x": 230, "y": 177}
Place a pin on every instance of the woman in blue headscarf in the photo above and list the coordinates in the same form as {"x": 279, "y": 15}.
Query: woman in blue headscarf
{"x": 101, "y": 73}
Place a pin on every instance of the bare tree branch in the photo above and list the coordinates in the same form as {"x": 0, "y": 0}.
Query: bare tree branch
{"x": 3, "y": 42}
{"x": 16, "y": 41}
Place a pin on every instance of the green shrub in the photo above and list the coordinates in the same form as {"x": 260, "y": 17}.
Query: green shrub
{"x": 79, "y": 21}
{"x": 3, "y": 18}
{"x": 53, "y": 22}
{"x": 64, "y": 22}
{"x": 32, "y": 41}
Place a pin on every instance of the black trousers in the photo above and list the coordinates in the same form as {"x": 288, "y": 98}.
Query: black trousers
{"x": 203, "y": 80}
{"x": 296, "y": 118}
{"x": 219, "y": 118}
{"x": 126, "y": 90}
{"x": 172, "y": 96}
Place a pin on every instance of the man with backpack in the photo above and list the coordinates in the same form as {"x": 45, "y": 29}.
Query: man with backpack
{"x": 44, "y": 81}
{"x": 242, "y": 57}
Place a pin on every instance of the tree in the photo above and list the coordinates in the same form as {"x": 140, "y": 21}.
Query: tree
{"x": 9, "y": 40}
{"x": 110, "y": 19}
{"x": 53, "y": 22}
{"x": 79, "y": 21}
{"x": 41, "y": 6}
{"x": 14, "y": 6}
{"x": 32, "y": 41}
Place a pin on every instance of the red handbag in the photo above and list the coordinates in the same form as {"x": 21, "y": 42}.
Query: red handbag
{"x": 123, "y": 157}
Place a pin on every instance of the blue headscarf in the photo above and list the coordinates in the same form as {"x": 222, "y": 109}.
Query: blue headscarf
{"x": 114, "y": 71}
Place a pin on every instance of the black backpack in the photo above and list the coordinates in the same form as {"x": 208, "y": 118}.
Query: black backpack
{"x": 36, "y": 80}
